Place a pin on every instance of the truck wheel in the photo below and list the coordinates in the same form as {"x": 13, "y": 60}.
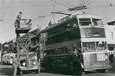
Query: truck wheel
{"x": 77, "y": 69}
{"x": 19, "y": 72}
{"x": 103, "y": 70}
{"x": 37, "y": 71}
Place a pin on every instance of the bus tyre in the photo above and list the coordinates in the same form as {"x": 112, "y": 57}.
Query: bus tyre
{"x": 37, "y": 71}
{"x": 103, "y": 70}
{"x": 19, "y": 72}
{"x": 77, "y": 69}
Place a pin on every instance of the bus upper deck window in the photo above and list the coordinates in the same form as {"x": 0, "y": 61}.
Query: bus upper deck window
{"x": 97, "y": 22}
{"x": 85, "y": 21}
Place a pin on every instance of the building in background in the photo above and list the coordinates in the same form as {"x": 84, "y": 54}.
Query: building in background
{"x": 110, "y": 35}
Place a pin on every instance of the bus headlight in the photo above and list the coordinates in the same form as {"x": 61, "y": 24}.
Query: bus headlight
{"x": 24, "y": 64}
{"x": 34, "y": 63}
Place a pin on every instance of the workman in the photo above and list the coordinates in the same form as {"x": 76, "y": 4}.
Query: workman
{"x": 15, "y": 65}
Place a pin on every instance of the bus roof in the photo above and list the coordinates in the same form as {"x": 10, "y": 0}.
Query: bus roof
{"x": 67, "y": 18}
{"x": 88, "y": 16}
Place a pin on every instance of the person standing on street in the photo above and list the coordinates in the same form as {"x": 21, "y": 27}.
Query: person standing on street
{"x": 15, "y": 65}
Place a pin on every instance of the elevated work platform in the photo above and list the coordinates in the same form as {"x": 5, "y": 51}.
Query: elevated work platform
{"x": 23, "y": 29}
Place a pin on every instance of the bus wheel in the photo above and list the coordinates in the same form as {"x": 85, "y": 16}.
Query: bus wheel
{"x": 19, "y": 72}
{"x": 103, "y": 70}
{"x": 77, "y": 69}
{"x": 37, "y": 71}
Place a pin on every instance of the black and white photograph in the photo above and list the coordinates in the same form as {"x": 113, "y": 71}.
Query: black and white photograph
{"x": 57, "y": 37}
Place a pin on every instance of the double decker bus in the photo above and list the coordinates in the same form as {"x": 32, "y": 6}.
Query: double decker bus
{"x": 76, "y": 43}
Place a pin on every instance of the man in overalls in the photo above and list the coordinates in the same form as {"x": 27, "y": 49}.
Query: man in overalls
{"x": 15, "y": 65}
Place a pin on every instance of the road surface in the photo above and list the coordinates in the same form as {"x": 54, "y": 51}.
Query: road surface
{"x": 6, "y": 70}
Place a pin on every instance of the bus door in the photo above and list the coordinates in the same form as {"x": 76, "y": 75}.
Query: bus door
{"x": 95, "y": 56}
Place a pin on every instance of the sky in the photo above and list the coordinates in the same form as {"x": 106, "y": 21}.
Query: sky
{"x": 40, "y": 12}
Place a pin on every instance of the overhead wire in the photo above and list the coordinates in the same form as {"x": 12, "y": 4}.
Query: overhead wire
{"x": 38, "y": 4}
{"x": 65, "y": 5}
{"x": 33, "y": 5}
{"x": 34, "y": 19}
{"x": 59, "y": 3}
{"x": 41, "y": 16}
{"x": 2, "y": 3}
{"x": 101, "y": 6}
{"x": 88, "y": 5}
{"x": 6, "y": 11}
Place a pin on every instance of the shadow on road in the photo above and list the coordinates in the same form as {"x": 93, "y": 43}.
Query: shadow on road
{"x": 6, "y": 71}
{"x": 63, "y": 72}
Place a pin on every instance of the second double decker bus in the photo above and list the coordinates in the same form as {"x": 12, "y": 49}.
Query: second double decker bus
{"x": 76, "y": 43}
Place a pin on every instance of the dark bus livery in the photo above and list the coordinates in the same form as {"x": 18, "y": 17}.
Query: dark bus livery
{"x": 76, "y": 43}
